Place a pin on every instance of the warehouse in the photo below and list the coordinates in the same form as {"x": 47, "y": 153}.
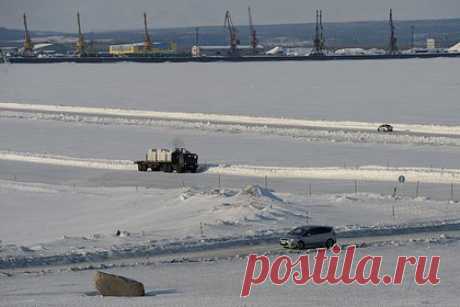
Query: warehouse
{"x": 224, "y": 50}
{"x": 138, "y": 48}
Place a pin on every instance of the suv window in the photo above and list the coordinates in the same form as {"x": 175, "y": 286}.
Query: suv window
{"x": 320, "y": 230}
{"x": 298, "y": 232}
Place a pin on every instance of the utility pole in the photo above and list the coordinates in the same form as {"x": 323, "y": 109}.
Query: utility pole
{"x": 28, "y": 46}
{"x": 253, "y": 33}
{"x": 81, "y": 48}
{"x": 393, "y": 48}
{"x": 147, "y": 39}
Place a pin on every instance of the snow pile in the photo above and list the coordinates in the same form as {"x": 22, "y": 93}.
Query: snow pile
{"x": 455, "y": 48}
{"x": 359, "y": 51}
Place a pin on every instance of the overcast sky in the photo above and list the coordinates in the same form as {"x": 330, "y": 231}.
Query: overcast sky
{"x": 59, "y": 15}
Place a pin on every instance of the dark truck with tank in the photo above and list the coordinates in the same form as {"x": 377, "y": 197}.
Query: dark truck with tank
{"x": 179, "y": 160}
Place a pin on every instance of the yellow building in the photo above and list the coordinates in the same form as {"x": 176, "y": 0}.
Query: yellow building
{"x": 138, "y": 48}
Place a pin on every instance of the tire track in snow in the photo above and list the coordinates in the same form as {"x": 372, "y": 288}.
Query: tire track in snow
{"x": 364, "y": 173}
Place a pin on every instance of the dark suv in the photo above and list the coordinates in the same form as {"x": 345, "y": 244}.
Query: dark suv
{"x": 310, "y": 236}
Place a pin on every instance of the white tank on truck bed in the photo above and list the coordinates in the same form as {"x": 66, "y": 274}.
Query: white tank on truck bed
{"x": 159, "y": 155}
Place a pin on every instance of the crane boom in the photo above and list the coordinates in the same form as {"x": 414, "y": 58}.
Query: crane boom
{"x": 81, "y": 48}
{"x": 253, "y": 33}
{"x": 393, "y": 48}
{"x": 28, "y": 46}
{"x": 233, "y": 33}
{"x": 147, "y": 39}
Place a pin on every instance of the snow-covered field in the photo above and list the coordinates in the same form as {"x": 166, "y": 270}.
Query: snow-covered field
{"x": 216, "y": 281}
{"x": 409, "y": 91}
{"x": 81, "y": 222}
{"x": 69, "y": 134}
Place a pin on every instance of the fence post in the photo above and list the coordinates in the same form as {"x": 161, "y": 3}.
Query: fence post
{"x": 417, "y": 189}
{"x": 219, "y": 182}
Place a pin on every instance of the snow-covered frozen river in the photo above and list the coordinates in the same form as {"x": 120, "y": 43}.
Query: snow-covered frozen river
{"x": 409, "y": 91}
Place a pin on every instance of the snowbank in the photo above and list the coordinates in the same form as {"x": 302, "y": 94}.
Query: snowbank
{"x": 230, "y": 119}
{"x": 367, "y": 173}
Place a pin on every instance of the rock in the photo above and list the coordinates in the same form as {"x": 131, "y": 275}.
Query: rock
{"x": 114, "y": 285}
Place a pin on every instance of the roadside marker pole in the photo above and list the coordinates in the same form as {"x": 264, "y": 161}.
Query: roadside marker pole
{"x": 356, "y": 186}
{"x": 219, "y": 181}
{"x": 451, "y": 192}
{"x": 417, "y": 189}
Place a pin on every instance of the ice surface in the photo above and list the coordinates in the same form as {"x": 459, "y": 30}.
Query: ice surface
{"x": 376, "y": 91}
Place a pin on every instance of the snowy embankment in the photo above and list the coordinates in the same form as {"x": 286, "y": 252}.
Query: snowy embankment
{"x": 364, "y": 173}
{"x": 229, "y": 119}
{"x": 44, "y": 224}
{"x": 334, "y": 131}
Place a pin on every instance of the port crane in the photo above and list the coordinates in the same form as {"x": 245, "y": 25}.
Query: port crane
{"x": 81, "y": 48}
{"x": 233, "y": 34}
{"x": 317, "y": 40}
{"x": 393, "y": 48}
{"x": 147, "y": 39}
{"x": 321, "y": 36}
{"x": 28, "y": 46}
{"x": 253, "y": 33}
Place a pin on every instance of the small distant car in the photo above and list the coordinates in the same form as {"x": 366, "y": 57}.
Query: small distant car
{"x": 310, "y": 237}
{"x": 385, "y": 128}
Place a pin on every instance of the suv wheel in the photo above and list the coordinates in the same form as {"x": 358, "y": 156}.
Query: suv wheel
{"x": 300, "y": 245}
{"x": 329, "y": 243}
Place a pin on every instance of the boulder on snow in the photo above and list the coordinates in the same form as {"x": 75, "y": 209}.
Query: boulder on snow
{"x": 114, "y": 285}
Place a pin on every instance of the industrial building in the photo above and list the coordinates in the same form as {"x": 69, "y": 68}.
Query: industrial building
{"x": 198, "y": 51}
{"x": 139, "y": 48}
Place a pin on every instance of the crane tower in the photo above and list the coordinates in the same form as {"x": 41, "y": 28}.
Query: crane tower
{"x": 393, "y": 46}
{"x": 317, "y": 40}
{"x": 253, "y": 33}
{"x": 81, "y": 48}
{"x": 147, "y": 39}
{"x": 28, "y": 46}
{"x": 233, "y": 34}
